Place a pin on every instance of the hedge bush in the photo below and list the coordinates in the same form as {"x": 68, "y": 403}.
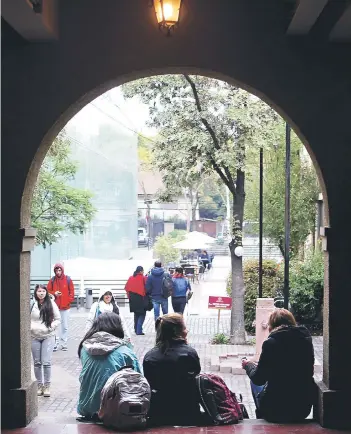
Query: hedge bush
{"x": 306, "y": 289}
{"x": 164, "y": 249}
{"x": 272, "y": 281}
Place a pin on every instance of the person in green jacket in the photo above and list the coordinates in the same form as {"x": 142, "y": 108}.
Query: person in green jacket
{"x": 103, "y": 351}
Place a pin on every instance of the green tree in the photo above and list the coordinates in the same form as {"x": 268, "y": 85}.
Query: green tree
{"x": 57, "y": 206}
{"x": 207, "y": 124}
{"x": 304, "y": 191}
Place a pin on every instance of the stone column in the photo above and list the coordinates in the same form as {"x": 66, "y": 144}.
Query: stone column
{"x": 19, "y": 393}
{"x": 264, "y": 307}
{"x": 334, "y": 391}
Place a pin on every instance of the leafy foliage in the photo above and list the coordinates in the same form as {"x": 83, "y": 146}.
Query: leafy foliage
{"x": 271, "y": 283}
{"x": 206, "y": 125}
{"x": 57, "y": 206}
{"x": 306, "y": 287}
{"x": 220, "y": 339}
{"x": 304, "y": 191}
{"x": 164, "y": 249}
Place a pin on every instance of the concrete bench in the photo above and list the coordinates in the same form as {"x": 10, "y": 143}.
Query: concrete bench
{"x": 64, "y": 423}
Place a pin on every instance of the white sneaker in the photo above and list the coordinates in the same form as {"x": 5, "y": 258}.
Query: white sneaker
{"x": 46, "y": 391}
{"x": 40, "y": 390}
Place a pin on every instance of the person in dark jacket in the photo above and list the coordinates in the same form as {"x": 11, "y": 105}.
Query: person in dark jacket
{"x": 181, "y": 286}
{"x": 170, "y": 368}
{"x": 154, "y": 287}
{"x": 204, "y": 258}
{"x": 135, "y": 288}
{"x": 282, "y": 381}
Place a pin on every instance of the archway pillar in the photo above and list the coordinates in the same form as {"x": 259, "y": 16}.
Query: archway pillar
{"x": 19, "y": 392}
{"x": 334, "y": 391}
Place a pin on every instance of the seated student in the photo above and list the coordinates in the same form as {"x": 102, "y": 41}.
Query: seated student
{"x": 170, "y": 368}
{"x": 103, "y": 351}
{"x": 282, "y": 381}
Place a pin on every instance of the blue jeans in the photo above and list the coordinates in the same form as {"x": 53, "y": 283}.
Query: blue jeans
{"x": 63, "y": 337}
{"x": 139, "y": 319}
{"x": 255, "y": 392}
{"x": 178, "y": 304}
{"x": 42, "y": 351}
{"x": 157, "y": 303}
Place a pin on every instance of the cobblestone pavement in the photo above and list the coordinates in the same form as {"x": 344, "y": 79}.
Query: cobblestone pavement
{"x": 66, "y": 365}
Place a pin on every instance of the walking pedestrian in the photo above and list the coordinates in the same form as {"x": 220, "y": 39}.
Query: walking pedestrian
{"x": 62, "y": 288}
{"x": 155, "y": 288}
{"x": 181, "y": 288}
{"x": 135, "y": 288}
{"x": 106, "y": 303}
{"x": 44, "y": 320}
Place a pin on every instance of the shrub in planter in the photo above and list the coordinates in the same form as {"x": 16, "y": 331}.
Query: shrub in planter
{"x": 306, "y": 289}
{"x": 271, "y": 283}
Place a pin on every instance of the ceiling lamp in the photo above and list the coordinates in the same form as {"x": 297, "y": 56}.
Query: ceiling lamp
{"x": 167, "y": 13}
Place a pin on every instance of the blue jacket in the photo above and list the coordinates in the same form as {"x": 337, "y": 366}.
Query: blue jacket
{"x": 180, "y": 286}
{"x": 102, "y": 355}
{"x": 154, "y": 283}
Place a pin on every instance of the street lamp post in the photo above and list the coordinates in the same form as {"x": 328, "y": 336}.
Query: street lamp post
{"x": 287, "y": 216}
{"x": 260, "y": 263}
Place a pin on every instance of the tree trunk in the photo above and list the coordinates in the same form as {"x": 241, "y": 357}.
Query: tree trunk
{"x": 237, "y": 324}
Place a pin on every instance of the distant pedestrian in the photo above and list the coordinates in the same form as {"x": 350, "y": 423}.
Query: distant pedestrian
{"x": 181, "y": 288}
{"x": 106, "y": 303}
{"x": 205, "y": 259}
{"x": 62, "y": 288}
{"x": 155, "y": 287}
{"x": 135, "y": 288}
{"x": 44, "y": 320}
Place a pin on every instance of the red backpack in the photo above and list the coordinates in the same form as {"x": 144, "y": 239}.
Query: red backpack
{"x": 219, "y": 403}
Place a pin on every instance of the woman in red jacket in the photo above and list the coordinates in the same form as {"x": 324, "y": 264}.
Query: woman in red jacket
{"x": 135, "y": 288}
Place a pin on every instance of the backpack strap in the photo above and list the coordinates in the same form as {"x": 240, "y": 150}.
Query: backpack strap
{"x": 32, "y": 303}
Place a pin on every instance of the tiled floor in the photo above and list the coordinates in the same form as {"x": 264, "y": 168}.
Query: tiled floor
{"x": 247, "y": 427}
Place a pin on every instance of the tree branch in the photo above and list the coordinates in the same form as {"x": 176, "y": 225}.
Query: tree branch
{"x": 209, "y": 129}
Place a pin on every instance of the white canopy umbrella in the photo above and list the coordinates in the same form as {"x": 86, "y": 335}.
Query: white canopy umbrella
{"x": 190, "y": 245}
{"x": 200, "y": 236}
{"x": 194, "y": 241}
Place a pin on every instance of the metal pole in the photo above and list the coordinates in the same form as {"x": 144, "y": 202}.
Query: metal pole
{"x": 287, "y": 217}
{"x": 260, "y": 265}
{"x": 218, "y": 320}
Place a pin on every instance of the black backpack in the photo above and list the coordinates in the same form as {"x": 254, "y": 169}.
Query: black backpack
{"x": 167, "y": 285}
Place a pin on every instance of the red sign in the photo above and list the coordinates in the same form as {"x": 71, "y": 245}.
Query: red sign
{"x": 219, "y": 302}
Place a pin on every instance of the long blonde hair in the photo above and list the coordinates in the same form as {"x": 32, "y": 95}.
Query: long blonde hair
{"x": 169, "y": 327}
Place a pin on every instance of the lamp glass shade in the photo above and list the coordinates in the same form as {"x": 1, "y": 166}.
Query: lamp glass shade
{"x": 167, "y": 11}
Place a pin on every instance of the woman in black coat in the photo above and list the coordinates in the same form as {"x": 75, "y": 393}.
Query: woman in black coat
{"x": 282, "y": 381}
{"x": 170, "y": 368}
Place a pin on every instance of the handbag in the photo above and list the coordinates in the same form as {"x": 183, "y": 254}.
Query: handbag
{"x": 148, "y": 305}
{"x": 189, "y": 295}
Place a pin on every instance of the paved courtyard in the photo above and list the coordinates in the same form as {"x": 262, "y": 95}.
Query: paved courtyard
{"x": 66, "y": 365}
{"x": 201, "y": 324}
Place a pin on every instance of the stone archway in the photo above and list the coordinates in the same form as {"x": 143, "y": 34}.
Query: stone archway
{"x": 47, "y": 83}
{"x": 75, "y": 108}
